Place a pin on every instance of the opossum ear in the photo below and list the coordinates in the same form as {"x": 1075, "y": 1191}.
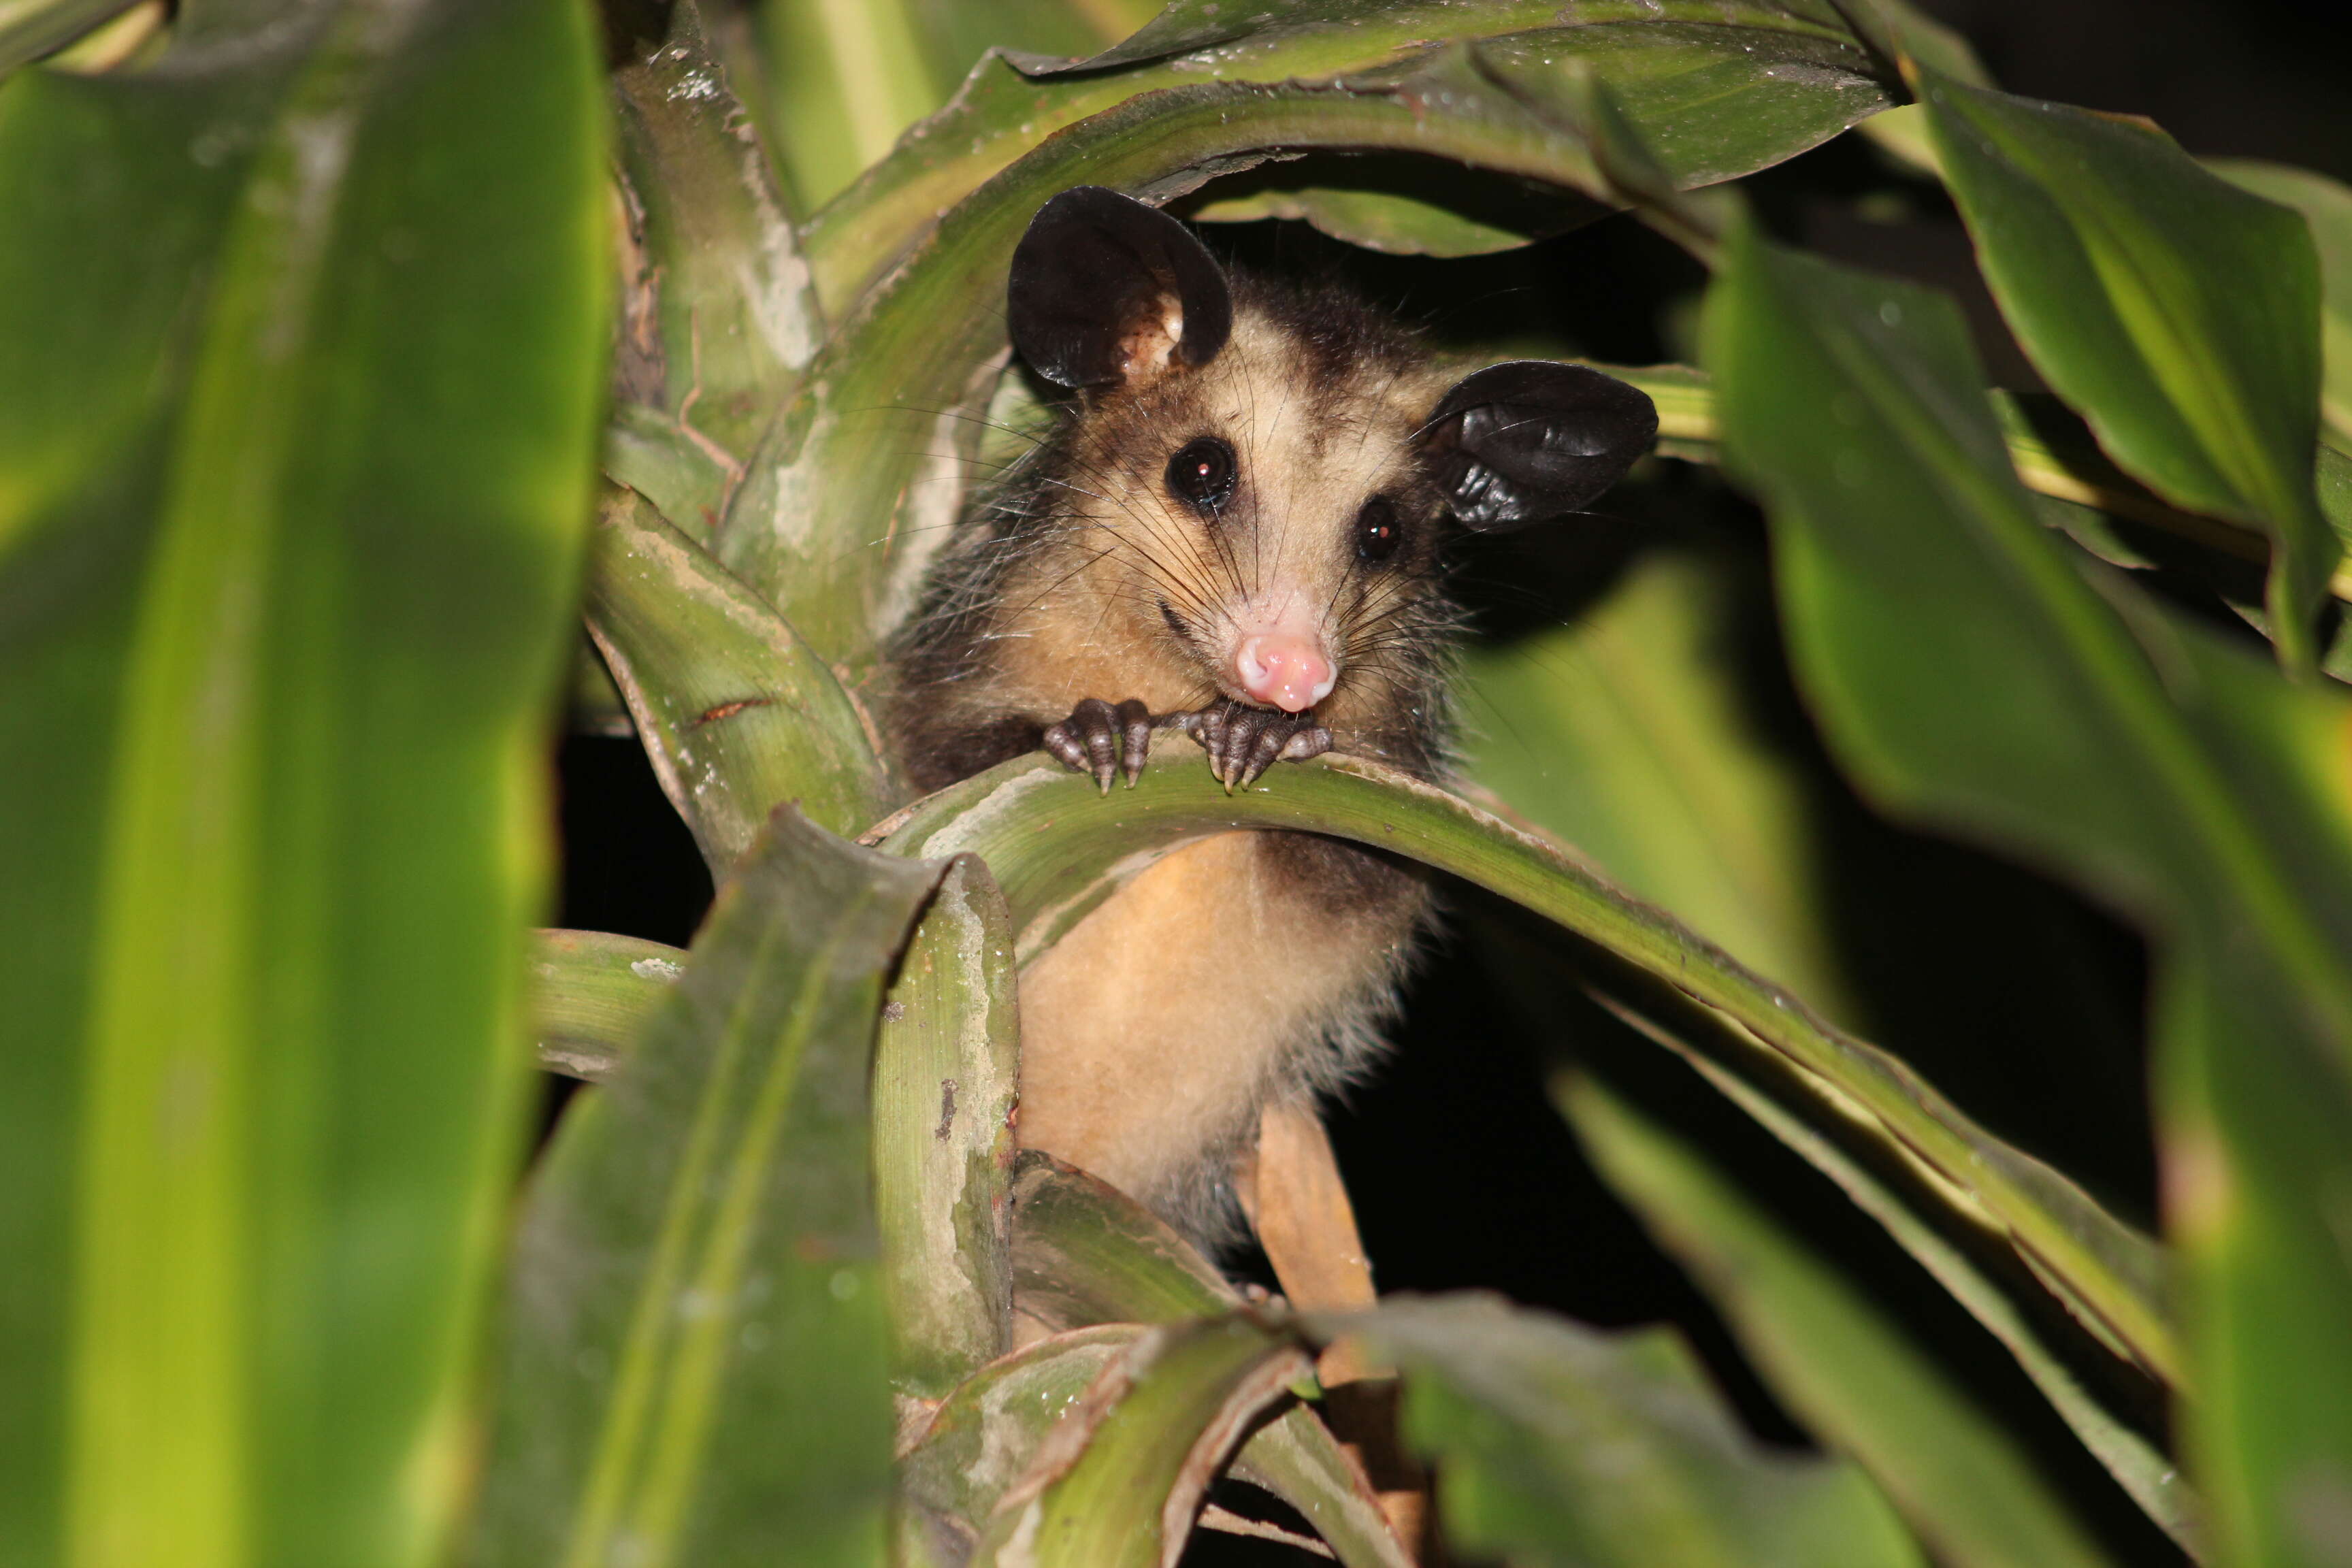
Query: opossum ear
{"x": 1106, "y": 289}
{"x": 1522, "y": 442}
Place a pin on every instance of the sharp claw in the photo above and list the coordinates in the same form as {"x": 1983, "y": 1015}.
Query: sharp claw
{"x": 1135, "y": 727}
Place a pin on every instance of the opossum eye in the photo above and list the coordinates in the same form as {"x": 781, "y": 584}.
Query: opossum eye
{"x": 1379, "y": 530}
{"x": 1200, "y": 474}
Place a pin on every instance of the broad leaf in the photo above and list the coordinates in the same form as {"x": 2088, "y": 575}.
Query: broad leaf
{"x": 860, "y": 481}
{"x": 1624, "y": 734}
{"x": 1118, "y": 1482}
{"x": 946, "y": 1072}
{"x": 1971, "y": 1494}
{"x": 301, "y": 362}
{"x": 2326, "y": 205}
{"x": 2008, "y": 1300}
{"x": 1975, "y": 675}
{"x": 1052, "y": 879}
{"x": 31, "y": 28}
{"x": 736, "y": 713}
{"x": 592, "y": 995}
{"x": 718, "y": 318}
{"x": 696, "y": 1359}
{"x": 2179, "y": 314}
{"x": 1560, "y": 1446}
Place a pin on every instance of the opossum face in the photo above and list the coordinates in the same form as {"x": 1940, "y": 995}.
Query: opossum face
{"x": 1264, "y": 475}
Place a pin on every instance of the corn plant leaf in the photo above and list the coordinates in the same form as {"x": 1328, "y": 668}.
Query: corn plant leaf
{"x": 983, "y": 1438}
{"x": 2179, "y": 314}
{"x": 1972, "y": 1495}
{"x": 1563, "y": 1447}
{"x": 1003, "y": 110}
{"x": 592, "y": 994}
{"x": 300, "y": 359}
{"x": 2326, "y": 205}
{"x": 1051, "y": 880}
{"x": 736, "y": 713}
{"x": 862, "y": 477}
{"x": 1118, "y": 1481}
{"x": 1625, "y": 735}
{"x": 31, "y": 28}
{"x": 2004, "y": 1298}
{"x": 718, "y": 314}
{"x": 946, "y": 1072}
{"x": 1973, "y": 676}
{"x": 695, "y": 1363}
{"x": 1085, "y": 1253}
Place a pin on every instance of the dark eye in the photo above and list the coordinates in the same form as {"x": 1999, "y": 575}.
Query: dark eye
{"x": 1379, "y": 530}
{"x": 1201, "y": 474}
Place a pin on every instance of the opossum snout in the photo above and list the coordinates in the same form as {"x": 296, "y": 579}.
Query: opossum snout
{"x": 1284, "y": 669}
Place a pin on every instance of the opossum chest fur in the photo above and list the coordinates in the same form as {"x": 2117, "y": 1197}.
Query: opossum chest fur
{"x": 1233, "y": 536}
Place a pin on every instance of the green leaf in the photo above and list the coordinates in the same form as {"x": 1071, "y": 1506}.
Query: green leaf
{"x": 1976, "y": 676}
{"x": 2179, "y": 314}
{"x": 300, "y": 360}
{"x": 1848, "y": 1374}
{"x": 31, "y": 28}
{"x": 2006, "y": 1301}
{"x": 592, "y": 995}
{"x": 845, "y": 78}
{"x": 1085, "y": 1253}
{"x": 946, "y": 1080}
{"x": 718, "y": 317}
{"x": 983, "y": 1438}
{"x": 1625, "y": 734}
{"x": 1119, "y": 1481}
{"x": 2326, "y": 205}
{"x": 1694, "y": 95}
{"x": 1561, "y": 1447}
{"x": 736, "y": 713}
{"x": 1052, "y": 879}
{"x": 696, "y": 1357}
{"x": 862, "y": 479}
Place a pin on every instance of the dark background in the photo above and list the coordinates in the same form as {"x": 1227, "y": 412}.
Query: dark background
{"x": 2015, "y": 997}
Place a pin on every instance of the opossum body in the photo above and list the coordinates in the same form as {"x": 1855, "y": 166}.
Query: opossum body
{"x": 1234, "y": 534}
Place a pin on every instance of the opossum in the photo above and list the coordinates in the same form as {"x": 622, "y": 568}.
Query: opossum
{"x": 1233, "y": 534}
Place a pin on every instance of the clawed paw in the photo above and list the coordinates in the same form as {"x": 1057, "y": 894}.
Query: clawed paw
{"x": 1243, "y": 741}
{"x": 1104, "y": 740}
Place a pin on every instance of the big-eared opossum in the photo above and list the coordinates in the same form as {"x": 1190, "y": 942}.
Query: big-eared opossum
{"x": 1233, "y": 534}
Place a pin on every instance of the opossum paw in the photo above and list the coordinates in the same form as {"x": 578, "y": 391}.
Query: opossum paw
{"x": 1104, "y": 740}
{"x": 1243, "y": 741}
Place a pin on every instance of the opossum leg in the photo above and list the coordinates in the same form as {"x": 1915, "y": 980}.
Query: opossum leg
{"x": 1243, "y": 741}
{"x": 1101, "y": 739}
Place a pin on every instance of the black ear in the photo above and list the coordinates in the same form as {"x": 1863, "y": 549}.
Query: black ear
{"x": 1106, "y": 290}
{"x": 1528, "y": 440}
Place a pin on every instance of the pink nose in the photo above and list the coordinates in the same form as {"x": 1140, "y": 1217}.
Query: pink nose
{"x": 1288, "y": 672}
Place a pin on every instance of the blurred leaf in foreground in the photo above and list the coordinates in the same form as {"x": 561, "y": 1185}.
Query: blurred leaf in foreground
{"x": 697, "y": 1359}
{"x": 1976, "y": 675}
{"x": 302, "y": 341}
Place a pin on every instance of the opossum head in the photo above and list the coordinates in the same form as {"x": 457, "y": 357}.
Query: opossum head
{"x": 1263, "y": 474}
